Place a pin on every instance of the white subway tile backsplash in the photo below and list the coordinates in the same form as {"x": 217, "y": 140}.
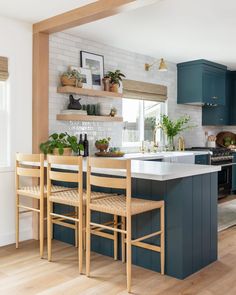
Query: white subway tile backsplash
{"x": 65, "y": 50}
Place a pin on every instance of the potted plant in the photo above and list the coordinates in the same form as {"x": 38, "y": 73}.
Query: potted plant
{"x": 61, "y": 144}
{"x": 115, "y": 79}
{"x": 102, "y": 144}
{"x": 172, "y": 128}
{"x": 72, "y": 78}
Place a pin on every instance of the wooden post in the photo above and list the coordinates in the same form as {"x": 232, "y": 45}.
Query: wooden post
{"x": 40, "y": 101}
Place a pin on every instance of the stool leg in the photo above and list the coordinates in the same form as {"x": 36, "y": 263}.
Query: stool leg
{"x": 41, "y": 226}
{"x": 88, "y": 241}
{"x": 17, "y": 221}
{"x": 49, "y": 231}
{"x": 84, "y": 229}
{"x": 162, "y": 216}
{"x": 129, "y": 252}
{"x": 76, "y": 228}
{"x": 115, "y": 238}
{"x": 123, "y": 239}
{"x": 80, "y": 236}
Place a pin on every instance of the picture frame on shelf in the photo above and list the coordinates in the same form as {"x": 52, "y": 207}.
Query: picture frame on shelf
{"x": 94, "y": 62}
{"x": 86, "y": 76}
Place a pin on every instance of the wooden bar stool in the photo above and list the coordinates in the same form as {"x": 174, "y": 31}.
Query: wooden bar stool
{"x": 75, "y": 198}
{"x": 120, "y": 205}
{"x": 32, "y": 165}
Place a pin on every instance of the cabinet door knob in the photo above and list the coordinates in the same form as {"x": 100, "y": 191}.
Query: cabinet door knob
{"x": 214, "y": 97}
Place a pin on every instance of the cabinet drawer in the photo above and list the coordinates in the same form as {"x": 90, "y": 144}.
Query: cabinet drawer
{"x": 202, "y": 159}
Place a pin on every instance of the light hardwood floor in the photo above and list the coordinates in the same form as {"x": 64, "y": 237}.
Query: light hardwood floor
{"x": 22, "y": 272}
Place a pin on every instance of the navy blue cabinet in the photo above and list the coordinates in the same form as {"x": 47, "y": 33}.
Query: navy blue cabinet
{"x": 201, "y": 82}
{"x": 202, "y": 159}
{"x": 217, "y": 114}
{"x": 234, "y": 173}
{"x": 232, "y": 112}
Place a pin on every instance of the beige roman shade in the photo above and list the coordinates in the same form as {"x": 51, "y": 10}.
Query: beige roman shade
{"x": 3, "y": 68}
{"x": 145, "y": 91}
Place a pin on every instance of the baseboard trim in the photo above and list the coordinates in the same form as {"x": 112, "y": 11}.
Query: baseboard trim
{"x": 7, "y": 239}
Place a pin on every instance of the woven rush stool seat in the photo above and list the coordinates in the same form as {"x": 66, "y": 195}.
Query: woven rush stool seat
{"x": 34, "y": 191}
{"x": 72, "y": 197}
{"x": 117, "y": 205}
{"x": 121, "y": 208}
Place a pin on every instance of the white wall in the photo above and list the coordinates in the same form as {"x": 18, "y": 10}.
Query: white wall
{"x": 16, "y": 44}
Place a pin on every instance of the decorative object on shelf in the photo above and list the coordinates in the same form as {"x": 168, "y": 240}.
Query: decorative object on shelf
{"x": 102, "y": 144}
{"x": 162, "y": 65}
{"x": 91, "y": 109}
{"x": 71, "y": 78}
{"x": 97, "y": 109}
{"x": 105, "y": 108}
{"x": 74, "y": 103}
{"x": 86, "y": 76}
{"x": 106, "y": 83}
{"x": 226, "y": 139}
{"x": 172, "y": 128}
{"x": 113, "y": 112}
{"x": 95, "y": 63}
{"x": 61, "y": 144}
{"x": 115, "y": 79}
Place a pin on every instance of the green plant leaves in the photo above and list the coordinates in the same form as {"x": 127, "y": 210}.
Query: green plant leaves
{"x": 60, "y": 141}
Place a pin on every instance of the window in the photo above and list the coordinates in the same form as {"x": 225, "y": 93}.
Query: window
{"x": 140, "y": 117}
{"x": 4, "y": 125}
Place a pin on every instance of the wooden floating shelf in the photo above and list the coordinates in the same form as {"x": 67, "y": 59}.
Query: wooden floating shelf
{"x": 88, "y": 92}
{"x": 87, "y": 118}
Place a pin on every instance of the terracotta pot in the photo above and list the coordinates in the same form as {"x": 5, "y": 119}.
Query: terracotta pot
{"x": 114, "y": 88}
{"x": 106, "y": 83}
{"x": 102, "y": 147}
{"x": 79, "y": 84}
{"x": 67, "y": 152}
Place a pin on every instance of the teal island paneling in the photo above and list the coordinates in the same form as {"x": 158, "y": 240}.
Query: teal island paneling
{"x": 191, "y": 224}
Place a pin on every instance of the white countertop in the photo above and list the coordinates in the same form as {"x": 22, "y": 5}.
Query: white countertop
{"x": 160, "y": 171}
{"x": 161, "y": 155}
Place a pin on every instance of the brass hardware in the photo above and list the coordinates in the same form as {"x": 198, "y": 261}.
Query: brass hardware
{"x": 181, "y": 143}
{"x": 162, "y": 65}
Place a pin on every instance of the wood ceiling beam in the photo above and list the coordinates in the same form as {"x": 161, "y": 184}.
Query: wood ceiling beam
{"x": 86, "y": 14}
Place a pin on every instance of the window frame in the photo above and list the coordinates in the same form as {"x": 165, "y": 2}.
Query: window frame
{"x": 5, "y": 165}
{"x": 135, "y": 144}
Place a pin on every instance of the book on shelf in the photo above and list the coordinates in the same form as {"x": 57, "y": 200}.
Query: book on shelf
{"x": 74, "y": 112}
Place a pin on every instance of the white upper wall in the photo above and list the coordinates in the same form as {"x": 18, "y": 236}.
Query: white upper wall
{"x": 37, "y": 10}
{"x": 16, "y": 44}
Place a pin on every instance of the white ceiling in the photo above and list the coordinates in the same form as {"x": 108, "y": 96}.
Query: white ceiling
{"x": 33, "y": 11}
{"x": 178, "y": 30}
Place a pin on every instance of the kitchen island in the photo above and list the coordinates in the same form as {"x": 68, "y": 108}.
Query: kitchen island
{"x": 190, "y": 195}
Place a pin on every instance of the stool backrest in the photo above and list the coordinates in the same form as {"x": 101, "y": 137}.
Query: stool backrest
{"x": 116, "y": 182}
{"x": 30, "y": 165}
{"x": 65, "y": 175}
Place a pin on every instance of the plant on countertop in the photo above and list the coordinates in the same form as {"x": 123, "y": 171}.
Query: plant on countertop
{"x": 172, "y": 128}
{"x": 61, "y": 142}
{"x": 102, "y": 144}
{"x": 115, "y": 79}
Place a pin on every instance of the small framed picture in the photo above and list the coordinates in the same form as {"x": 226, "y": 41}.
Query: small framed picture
{"x": 95, "y": 63}
{"x": 86, "y": 76}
